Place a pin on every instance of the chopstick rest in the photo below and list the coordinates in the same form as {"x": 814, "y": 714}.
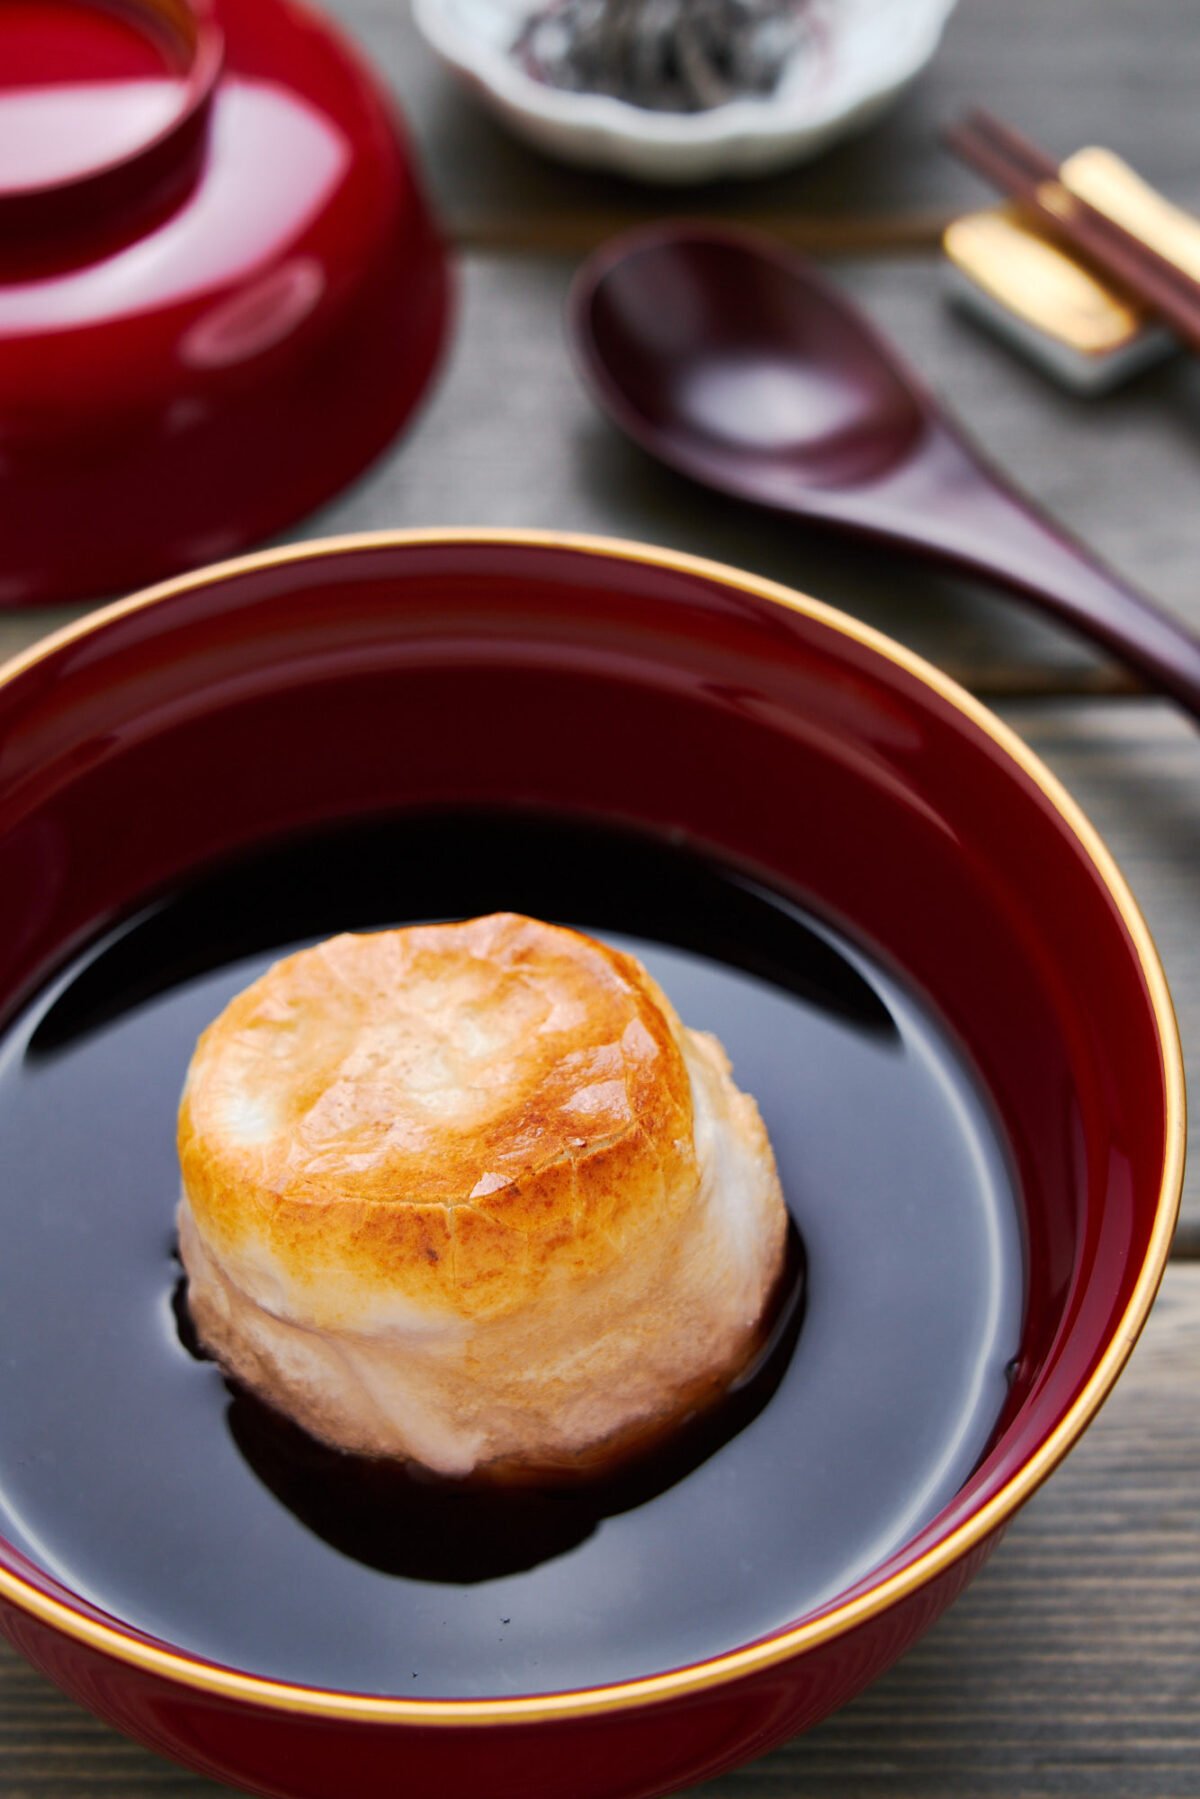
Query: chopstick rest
{"x": 1042, "y": 300}
{"x": 1087, "y": 266}
{"x": 1140, "y": 267}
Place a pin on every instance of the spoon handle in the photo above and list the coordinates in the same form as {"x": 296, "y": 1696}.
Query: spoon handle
{"x": 951, "y": 504}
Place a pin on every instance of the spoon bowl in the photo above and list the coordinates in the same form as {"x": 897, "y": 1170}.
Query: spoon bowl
{"x": 701, "y": 346}
{"x": 730, "y": 359}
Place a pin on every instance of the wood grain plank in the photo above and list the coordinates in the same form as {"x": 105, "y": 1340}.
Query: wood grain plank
{"x": 1070, "y": 1669}
{"x": 1072, "y": 72}
{"x": 510, "y": 438}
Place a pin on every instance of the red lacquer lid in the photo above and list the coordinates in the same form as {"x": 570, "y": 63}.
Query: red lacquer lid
{"x": 221, "y": 291}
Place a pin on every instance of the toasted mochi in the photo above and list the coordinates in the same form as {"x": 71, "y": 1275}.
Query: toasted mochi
{"x": 472, "y": 1196}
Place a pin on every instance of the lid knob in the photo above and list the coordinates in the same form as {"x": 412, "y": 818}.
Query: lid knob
{"x": 103, "y": 105}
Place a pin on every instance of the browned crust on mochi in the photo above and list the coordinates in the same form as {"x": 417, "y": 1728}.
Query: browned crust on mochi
{"x": 570, "y": 1187}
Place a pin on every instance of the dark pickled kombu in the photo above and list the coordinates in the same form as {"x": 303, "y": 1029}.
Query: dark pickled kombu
{"x": 134, "y": 1473}
{"x": 666, "y": 55}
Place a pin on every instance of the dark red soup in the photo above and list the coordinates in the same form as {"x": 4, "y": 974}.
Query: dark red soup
{"x": 134, "y": 1473}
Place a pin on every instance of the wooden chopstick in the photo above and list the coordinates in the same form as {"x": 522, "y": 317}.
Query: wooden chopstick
{"x": 1016, "y": 166}
{"x": 983, "y": 138}
{"x": 1040, "y": 167}
{"x": 1038, "y": 162}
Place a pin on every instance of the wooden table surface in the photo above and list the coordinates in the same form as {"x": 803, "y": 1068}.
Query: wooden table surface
{"x": 1072, "y": 1666}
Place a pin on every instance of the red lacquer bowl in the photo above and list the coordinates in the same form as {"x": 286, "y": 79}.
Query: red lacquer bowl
{"x": 221, "y": 290}
{"x": 637, "y": 685}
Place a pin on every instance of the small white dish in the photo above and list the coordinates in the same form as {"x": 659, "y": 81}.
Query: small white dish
{"x": 863, "y": 54}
